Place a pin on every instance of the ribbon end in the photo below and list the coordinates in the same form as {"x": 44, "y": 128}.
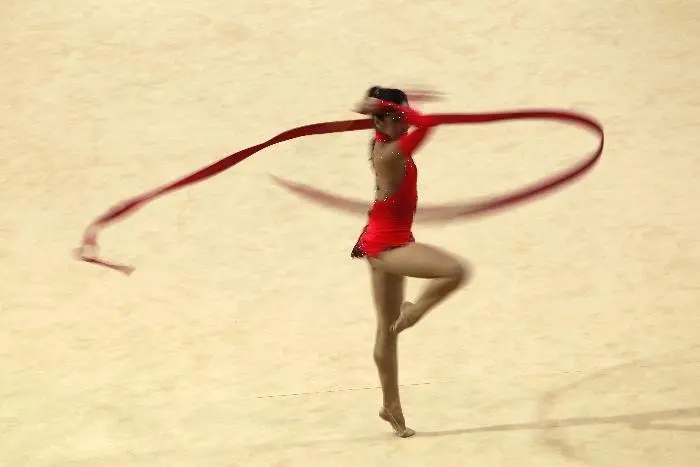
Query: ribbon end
{"x": 81, "y": 254}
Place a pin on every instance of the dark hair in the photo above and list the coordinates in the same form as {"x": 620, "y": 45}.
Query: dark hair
{"x": 395, "y": 96}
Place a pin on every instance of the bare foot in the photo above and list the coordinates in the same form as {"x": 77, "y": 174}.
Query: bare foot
{"x": 396, "y": 421}
{"x": 407, "y": 318}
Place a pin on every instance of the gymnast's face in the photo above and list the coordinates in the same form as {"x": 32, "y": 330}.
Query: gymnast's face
{"x": 392, "y": 125}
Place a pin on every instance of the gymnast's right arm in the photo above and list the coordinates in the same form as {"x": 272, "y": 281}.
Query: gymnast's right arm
{"x": 408, "y": 143}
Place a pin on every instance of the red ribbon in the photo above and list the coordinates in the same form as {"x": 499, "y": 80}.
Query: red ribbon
{"x": 468, "y": 209}
{"x": 89, "y": 248}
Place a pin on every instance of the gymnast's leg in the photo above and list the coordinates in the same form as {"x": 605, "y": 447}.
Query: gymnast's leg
{"x": 388, "y": 293}
{"x": 423, "y": 261}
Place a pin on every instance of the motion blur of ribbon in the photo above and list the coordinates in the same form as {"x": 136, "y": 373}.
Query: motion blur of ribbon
{"x": 89, "y": 249}
{"x": 467, "y": 209}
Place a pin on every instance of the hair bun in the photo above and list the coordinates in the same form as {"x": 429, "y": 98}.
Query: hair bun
{"x": 374, "y": 91}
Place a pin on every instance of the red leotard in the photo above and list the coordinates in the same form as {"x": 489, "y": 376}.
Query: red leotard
{"x": 391, "y": 218}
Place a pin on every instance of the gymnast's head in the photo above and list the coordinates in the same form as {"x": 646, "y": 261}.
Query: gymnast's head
{"x": 389, "y": 123}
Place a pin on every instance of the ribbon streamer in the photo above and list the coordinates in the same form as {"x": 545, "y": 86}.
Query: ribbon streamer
{"x": 468, "y": 209}
{"x": 89, "y": 249}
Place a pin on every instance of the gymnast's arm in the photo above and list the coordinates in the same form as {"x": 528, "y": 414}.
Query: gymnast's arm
{"x": 407, "y": 144}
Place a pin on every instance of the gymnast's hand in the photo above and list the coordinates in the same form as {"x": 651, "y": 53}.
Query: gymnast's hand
{"x": 368, "y": 106}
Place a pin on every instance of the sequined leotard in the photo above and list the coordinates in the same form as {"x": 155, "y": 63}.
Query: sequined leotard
{"x": 391, "y": 219}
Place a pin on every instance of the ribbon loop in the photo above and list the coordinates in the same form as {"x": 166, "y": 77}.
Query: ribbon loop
{"x": 89, "y": 248}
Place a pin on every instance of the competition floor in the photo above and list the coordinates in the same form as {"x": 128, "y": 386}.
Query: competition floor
{"x": 244, "y": 337}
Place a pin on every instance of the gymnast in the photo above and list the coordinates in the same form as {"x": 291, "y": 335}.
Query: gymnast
{"x": 388, "y": 244}
{"x": 387, "y": 241}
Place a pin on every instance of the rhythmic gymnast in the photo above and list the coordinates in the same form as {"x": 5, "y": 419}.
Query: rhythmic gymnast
{"x": 388, "y": 244}
{"x": 387, "y": 241}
